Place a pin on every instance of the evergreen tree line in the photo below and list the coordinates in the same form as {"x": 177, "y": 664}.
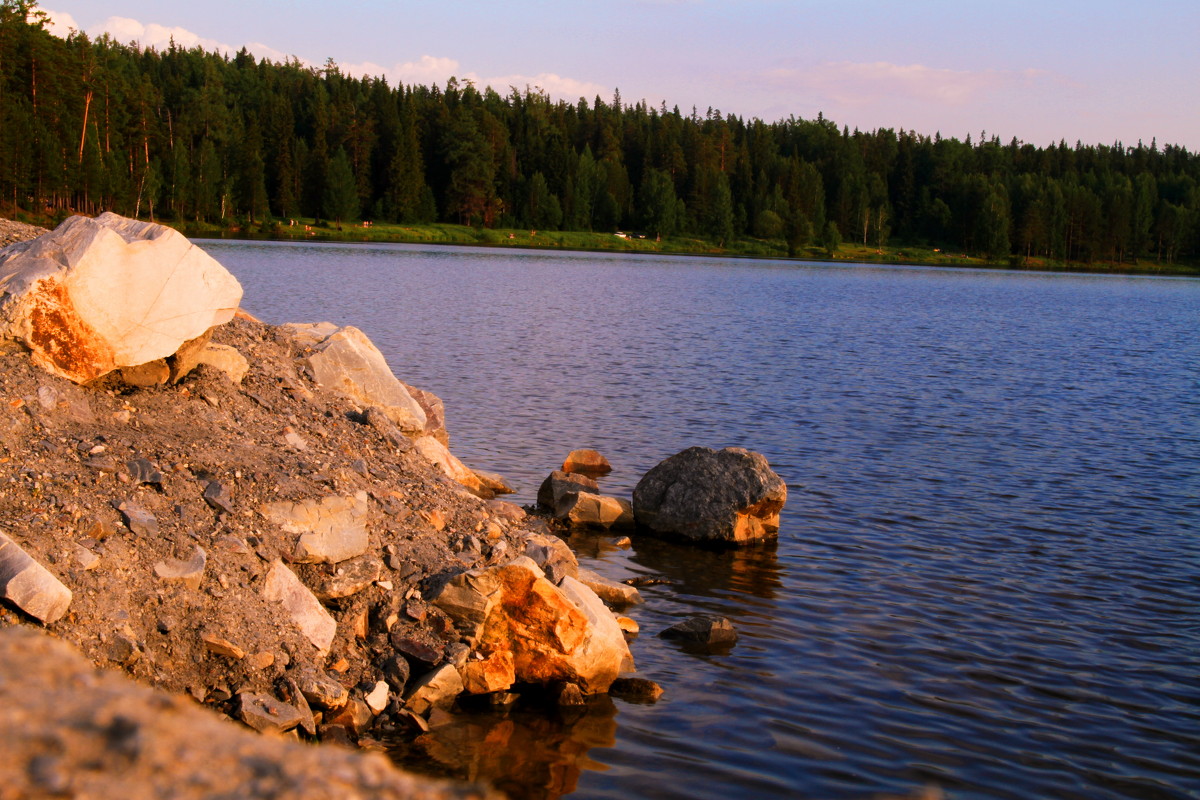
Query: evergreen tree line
{"x": 187, "y": 135}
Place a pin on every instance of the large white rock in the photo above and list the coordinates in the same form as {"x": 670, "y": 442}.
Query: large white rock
{"x": 346, "y": 362}
{"x": 95, "y": 295}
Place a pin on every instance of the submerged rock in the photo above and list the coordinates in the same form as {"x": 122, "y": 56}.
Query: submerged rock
{"x": 713, "y": 496}
{"x": 702, "y": 629}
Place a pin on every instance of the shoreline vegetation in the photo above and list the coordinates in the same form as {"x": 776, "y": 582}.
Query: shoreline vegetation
{"x": 640, "y": 243}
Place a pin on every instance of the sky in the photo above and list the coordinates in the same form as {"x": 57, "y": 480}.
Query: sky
{"x": 1038, "y": 71}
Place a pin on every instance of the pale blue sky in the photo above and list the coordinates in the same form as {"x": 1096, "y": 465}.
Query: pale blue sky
{"x": 1040, "y": 71}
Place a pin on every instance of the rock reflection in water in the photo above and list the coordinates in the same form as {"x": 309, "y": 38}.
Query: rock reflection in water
{"x": 752, "y": 570}
{"x": 528, "y": 753}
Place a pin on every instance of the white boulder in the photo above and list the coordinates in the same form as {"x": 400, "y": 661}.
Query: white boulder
{"x": 96, "y": 295}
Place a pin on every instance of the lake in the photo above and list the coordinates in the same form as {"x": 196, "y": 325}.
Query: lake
{"x": 987, "y": 580}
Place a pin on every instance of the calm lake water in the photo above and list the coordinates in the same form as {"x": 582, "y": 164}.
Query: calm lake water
{"x": 988, "y": 573}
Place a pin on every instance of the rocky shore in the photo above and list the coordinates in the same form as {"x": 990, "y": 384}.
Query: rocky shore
{"x": 260, "y": 519}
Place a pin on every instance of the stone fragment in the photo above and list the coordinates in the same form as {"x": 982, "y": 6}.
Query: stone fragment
{"x": 305, "y": 610}
{"x": 266, "y": 713}
{"x": 588, "y": 462}
{"x": 396, "y": 671}
{"x": 636, "y": 690}
{"x": 142, "y": 471}
{"x": 152, "y": 373}
{"x": 714, "y": 496}
{"x": 187, "y": 356}
{"x": 435, "y": 413}
{"x": 555, "y": 633}
{"x": 588, "y": 510}
{"x": 552, "y": 555}
{"x": 225, "y": 359}
{"x": 97, "y": 295}
{"x": 347, "y": 363}
{"x": 123, "y": 649}
{"x": 138, "y": 519}
{"x": 295, "y": 698}
{"x": 222, "y": 646}
{"x": 506, "y": 511}
{"x": 447, "y": 462}
{"x": 560, "y": 487}
{"x": 85, "y": 558}
{"x": 494, "y": 483}
{"x": 569, "y": 694}
{"x": 422, "y": 650}
{"x": 610, "y": 591}
{"x": 188, "y": 571}
{"x": 628, "y": 626}
{"x": 355, "y": 716}
{"x": 377, "y": 698}
{"x": 702, "y": 629}
{"x": 494, "y": 673}
{"x": 350, "y": 578}
{"x": 260, "y": 660}
{"x": 217, "y": 496}
{"x": 435, "y": 689}
{"x": 332, "y": 529}
{"x": 320, "y": 689}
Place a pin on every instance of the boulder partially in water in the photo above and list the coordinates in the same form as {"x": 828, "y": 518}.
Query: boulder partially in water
{"x": 556, "y": 634}
{"x": 588, "y": 462}
{"x": 98, "y": 295}
{"x": 729, "y": 496}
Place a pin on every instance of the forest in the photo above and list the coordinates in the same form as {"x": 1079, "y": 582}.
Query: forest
{"x": 186, "y": 135}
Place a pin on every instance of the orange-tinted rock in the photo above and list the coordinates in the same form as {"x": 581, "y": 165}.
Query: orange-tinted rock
{"x": 493, "y": 674}
{"x": 589, "y": 462}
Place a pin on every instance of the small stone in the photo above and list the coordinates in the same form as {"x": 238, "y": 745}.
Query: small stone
{"x": 588, "y": 462}
{"x": 355, "y": 716}
{"x": 124, "y": 650}
{"x": 418, "y": 651}
{"x": 217, "y": 496}
{"x": 352, "y": 577}
{"x": 265, "y": 713}
{"x": 570, "y": 695}
{"x": 261, "y": 660}
{"x": 30, "y": 586}
{"x": 436, "y": 519}
{"x": 310, "y": 617}
{"x": 321, "y": 690}
{"x": 636, "y": 690}
{"x": 85, "y": 558}
{"x": 189, "y": 572}
{"x": 152, "y": 373}
{"x": 702, "y": 630}
{"x": 628, "y": 626}
{"x": 438, "y": 688}
{"x": 377, "y": 699}
{"x": 222, "y": 646}
{"x": 495, "y": 673}
{"x": 396, "y": 671}
{"x": 295, "y": 441}
{"x": 291, "y": 693}
{"x": 142, "y": 471}
{"x": 610, "y": 591}
{"x": 138, "y": 519}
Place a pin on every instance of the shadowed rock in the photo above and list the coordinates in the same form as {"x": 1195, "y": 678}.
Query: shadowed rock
{"x": 714, "y": 496}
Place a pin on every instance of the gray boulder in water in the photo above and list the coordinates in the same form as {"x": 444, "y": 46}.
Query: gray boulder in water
{"x": 727, "y": 496}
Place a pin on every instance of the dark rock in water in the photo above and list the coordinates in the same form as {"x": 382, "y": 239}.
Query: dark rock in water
{"x": 636, "y": 690}
{"x": 265, "y": 713}
{"x": 712, "y": 496}
{"x": 217, "y": 496}
{"x": 648, "y": 581}
{"x": 702, "y": 630}
{"x": 569, "y": 694}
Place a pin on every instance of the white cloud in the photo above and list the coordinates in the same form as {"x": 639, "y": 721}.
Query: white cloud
{"x": 855, "y": 84}
{"x": 61, "y": 23}
{"x": 435, "y": 71}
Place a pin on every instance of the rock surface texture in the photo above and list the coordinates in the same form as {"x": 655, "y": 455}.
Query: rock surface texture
{"x": 71, "y": 731}
{"x": 96, "y": 295}
{"x": 728, "y": 496}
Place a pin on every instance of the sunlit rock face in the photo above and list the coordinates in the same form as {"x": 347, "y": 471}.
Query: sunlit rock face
{"x": 96, "y": 295}
{"x": 555, "y": 634}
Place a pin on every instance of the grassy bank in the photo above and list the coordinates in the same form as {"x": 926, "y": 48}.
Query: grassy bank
{"x": 589, "y": 241}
